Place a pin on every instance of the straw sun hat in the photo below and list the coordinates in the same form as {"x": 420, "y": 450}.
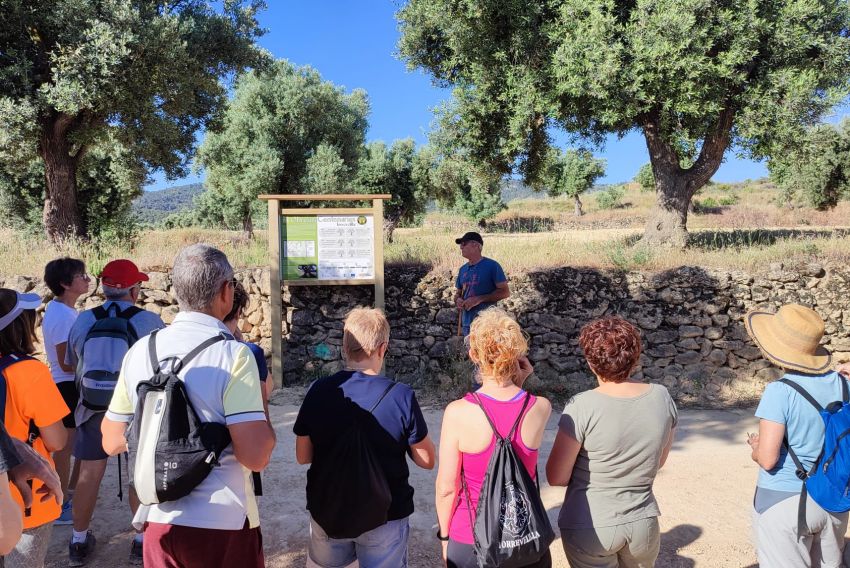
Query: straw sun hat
{"x": 790, "y": 338}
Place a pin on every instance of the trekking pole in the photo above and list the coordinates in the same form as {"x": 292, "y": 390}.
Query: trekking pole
{"x": 461, "y": 310}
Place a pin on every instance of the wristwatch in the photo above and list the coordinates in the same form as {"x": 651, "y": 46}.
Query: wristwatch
{"x": 441, "y": 537}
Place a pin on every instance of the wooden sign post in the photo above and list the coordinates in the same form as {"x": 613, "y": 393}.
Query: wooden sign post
{"x": 317, "y": 247}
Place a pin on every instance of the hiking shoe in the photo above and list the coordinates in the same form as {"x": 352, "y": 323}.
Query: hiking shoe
{"x": 136, "y": 556}
{"x": 67, "y": 516}
{"x": 79, "y": 552}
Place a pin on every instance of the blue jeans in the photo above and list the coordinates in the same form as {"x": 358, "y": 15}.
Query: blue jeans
{"x": 383, "y": 547}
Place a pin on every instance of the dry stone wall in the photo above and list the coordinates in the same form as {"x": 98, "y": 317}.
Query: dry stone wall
{"x": 691, "y": 320}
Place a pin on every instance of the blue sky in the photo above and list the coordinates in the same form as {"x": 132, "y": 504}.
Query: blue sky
{"x": 353, "y": 43}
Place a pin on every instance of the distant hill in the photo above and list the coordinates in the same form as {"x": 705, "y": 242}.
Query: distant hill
{"x": 154, "y": 206}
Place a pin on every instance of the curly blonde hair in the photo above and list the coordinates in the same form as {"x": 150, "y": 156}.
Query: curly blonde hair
{"x": 496, "y": 344}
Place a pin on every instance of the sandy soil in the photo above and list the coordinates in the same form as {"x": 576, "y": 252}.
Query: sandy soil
{"x": 704, "y": 491}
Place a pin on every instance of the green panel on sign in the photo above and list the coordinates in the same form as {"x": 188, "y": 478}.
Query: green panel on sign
{"x": 299, "y": 249}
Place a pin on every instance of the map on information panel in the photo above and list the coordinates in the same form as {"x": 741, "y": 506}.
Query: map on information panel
{"x": 327, "y": 247}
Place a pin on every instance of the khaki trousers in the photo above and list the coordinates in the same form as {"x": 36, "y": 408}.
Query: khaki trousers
{"x": 630, "y": 545}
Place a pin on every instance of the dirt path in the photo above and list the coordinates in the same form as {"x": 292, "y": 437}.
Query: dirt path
{"x": 704, "y": 491}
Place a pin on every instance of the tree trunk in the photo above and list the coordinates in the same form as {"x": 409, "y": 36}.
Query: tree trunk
{"x": 578, "y": 210}
{"x": 667, "y": 224}
{"x": 389, "y": 227}
{"x": 248, "y": 225}
{"x": 61, "y": 212}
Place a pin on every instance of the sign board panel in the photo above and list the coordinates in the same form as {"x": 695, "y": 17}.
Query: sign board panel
{"x": 327, "y": 247}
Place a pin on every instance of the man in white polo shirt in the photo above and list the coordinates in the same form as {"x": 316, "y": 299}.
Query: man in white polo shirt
{"x": 217, "y": 524}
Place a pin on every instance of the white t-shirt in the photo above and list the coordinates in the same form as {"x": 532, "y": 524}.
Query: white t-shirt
{"x": 58, "y": 319}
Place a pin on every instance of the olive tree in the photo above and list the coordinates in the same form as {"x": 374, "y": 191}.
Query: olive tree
{"x": 146, "y": 73}
{"x": 704, "y": 74}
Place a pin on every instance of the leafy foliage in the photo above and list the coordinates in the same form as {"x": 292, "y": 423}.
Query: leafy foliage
{"x": 141, "y": 74}
{"x": 815, "y": 170}
{"x": 610, "y": 197}
{"x": 402, "y": 171}
{"x": 645, "y": 178}
{"x": 285, "y": 131}
{"x": 572, "y": 173}
{"x": 152, "y": 207}
{"x": 694, "y": 76}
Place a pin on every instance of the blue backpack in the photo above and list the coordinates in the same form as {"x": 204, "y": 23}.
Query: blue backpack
{"x": 828, "y": 480}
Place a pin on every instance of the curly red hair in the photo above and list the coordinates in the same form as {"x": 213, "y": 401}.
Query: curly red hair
{"x": 611, "y": 347}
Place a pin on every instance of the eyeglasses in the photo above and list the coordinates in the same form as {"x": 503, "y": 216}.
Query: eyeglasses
{"x": 82, "y": 275}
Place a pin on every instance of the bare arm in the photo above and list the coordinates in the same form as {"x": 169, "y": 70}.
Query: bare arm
{"x": 114, "y": 436}
{"x": 448, "y": 474}
{"x": 61, "y": 348}
{"x": 253, "y": 443}
{"x": 562, "y": 459}
{"x": 54, "y": 436}
{"x": 424, "y": 454}
{"x": 766, "y": 443}
{"x": 303, "y": 450}
{"x": 666, "y": 451}
{"x": 11, "y": 521}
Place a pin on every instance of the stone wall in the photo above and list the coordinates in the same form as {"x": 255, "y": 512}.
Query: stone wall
{"x": 691, "y": 319}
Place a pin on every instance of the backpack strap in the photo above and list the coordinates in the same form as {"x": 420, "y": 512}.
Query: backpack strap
{"x": 180, "y": 363}
{"x": 100, "y": 312}
{"x": 493, "y": 425}
{"x": 381, "y": 399}
{"x": 801, "y": 472}
{"x": 805, "y": 394}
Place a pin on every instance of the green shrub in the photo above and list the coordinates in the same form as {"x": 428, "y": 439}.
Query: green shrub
{"x": 611, "y": 198}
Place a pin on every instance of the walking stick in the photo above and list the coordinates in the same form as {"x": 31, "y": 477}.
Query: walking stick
{"x": 461, "y": 310}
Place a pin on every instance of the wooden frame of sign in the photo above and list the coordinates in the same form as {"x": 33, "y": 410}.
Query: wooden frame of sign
{"x": 275, "y": 214}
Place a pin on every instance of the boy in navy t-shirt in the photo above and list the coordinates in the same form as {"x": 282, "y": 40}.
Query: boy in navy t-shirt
{"x": 481, "y": 282}
{"x": 397, "y": 431}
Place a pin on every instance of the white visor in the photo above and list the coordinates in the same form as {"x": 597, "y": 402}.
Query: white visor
{"x": 23, "y": 302}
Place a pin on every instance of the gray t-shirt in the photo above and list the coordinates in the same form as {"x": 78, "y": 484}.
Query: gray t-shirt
{"x": 621, "y": 444}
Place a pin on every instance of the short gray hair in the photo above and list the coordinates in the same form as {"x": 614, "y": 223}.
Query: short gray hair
{"x": 112, "y": 294}
{"x": 198, "y": 273}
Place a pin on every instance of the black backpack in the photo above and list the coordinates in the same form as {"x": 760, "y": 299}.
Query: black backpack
{"x": 33, "y": 433}
{"x": 511, "y": 527}
{"x": 103, "y": 349}
{"x": 171, "y": 450}
{"x": 348, "y": 494}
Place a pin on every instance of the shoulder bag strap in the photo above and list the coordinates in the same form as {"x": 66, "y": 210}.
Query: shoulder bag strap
{"x": 845, "y": 393}
{"x": 99, "y": 312}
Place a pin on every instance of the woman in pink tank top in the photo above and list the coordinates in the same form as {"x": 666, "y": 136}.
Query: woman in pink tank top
{"x": 498, "y": 348}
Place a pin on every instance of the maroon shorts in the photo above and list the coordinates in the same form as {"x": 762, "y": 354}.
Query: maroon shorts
{"x": 175, "y": 546}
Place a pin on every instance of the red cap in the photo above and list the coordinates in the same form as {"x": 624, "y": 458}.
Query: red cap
{"x": 122, "y": 273}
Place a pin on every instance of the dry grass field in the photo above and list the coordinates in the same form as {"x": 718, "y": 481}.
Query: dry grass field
{"x": 736, "y": 227}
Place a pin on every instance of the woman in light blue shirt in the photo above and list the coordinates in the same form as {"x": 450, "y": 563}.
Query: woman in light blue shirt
{"x": 790, "y": 339}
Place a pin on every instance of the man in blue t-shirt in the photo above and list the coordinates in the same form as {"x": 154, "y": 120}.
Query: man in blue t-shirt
{"x": 385, "y": 416}
{"x": 481, "y": 282}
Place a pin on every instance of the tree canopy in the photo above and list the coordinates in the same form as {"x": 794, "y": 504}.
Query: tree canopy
{"x": 816, "y": 169}
{"x": 285, "y": 131}
{"x": 645, "y": 179}
{"x": 704, "y": 74}
{"x": 144, "y": 75}
{"x": 572, "y": 173}
{"x": 401, "y": 170}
